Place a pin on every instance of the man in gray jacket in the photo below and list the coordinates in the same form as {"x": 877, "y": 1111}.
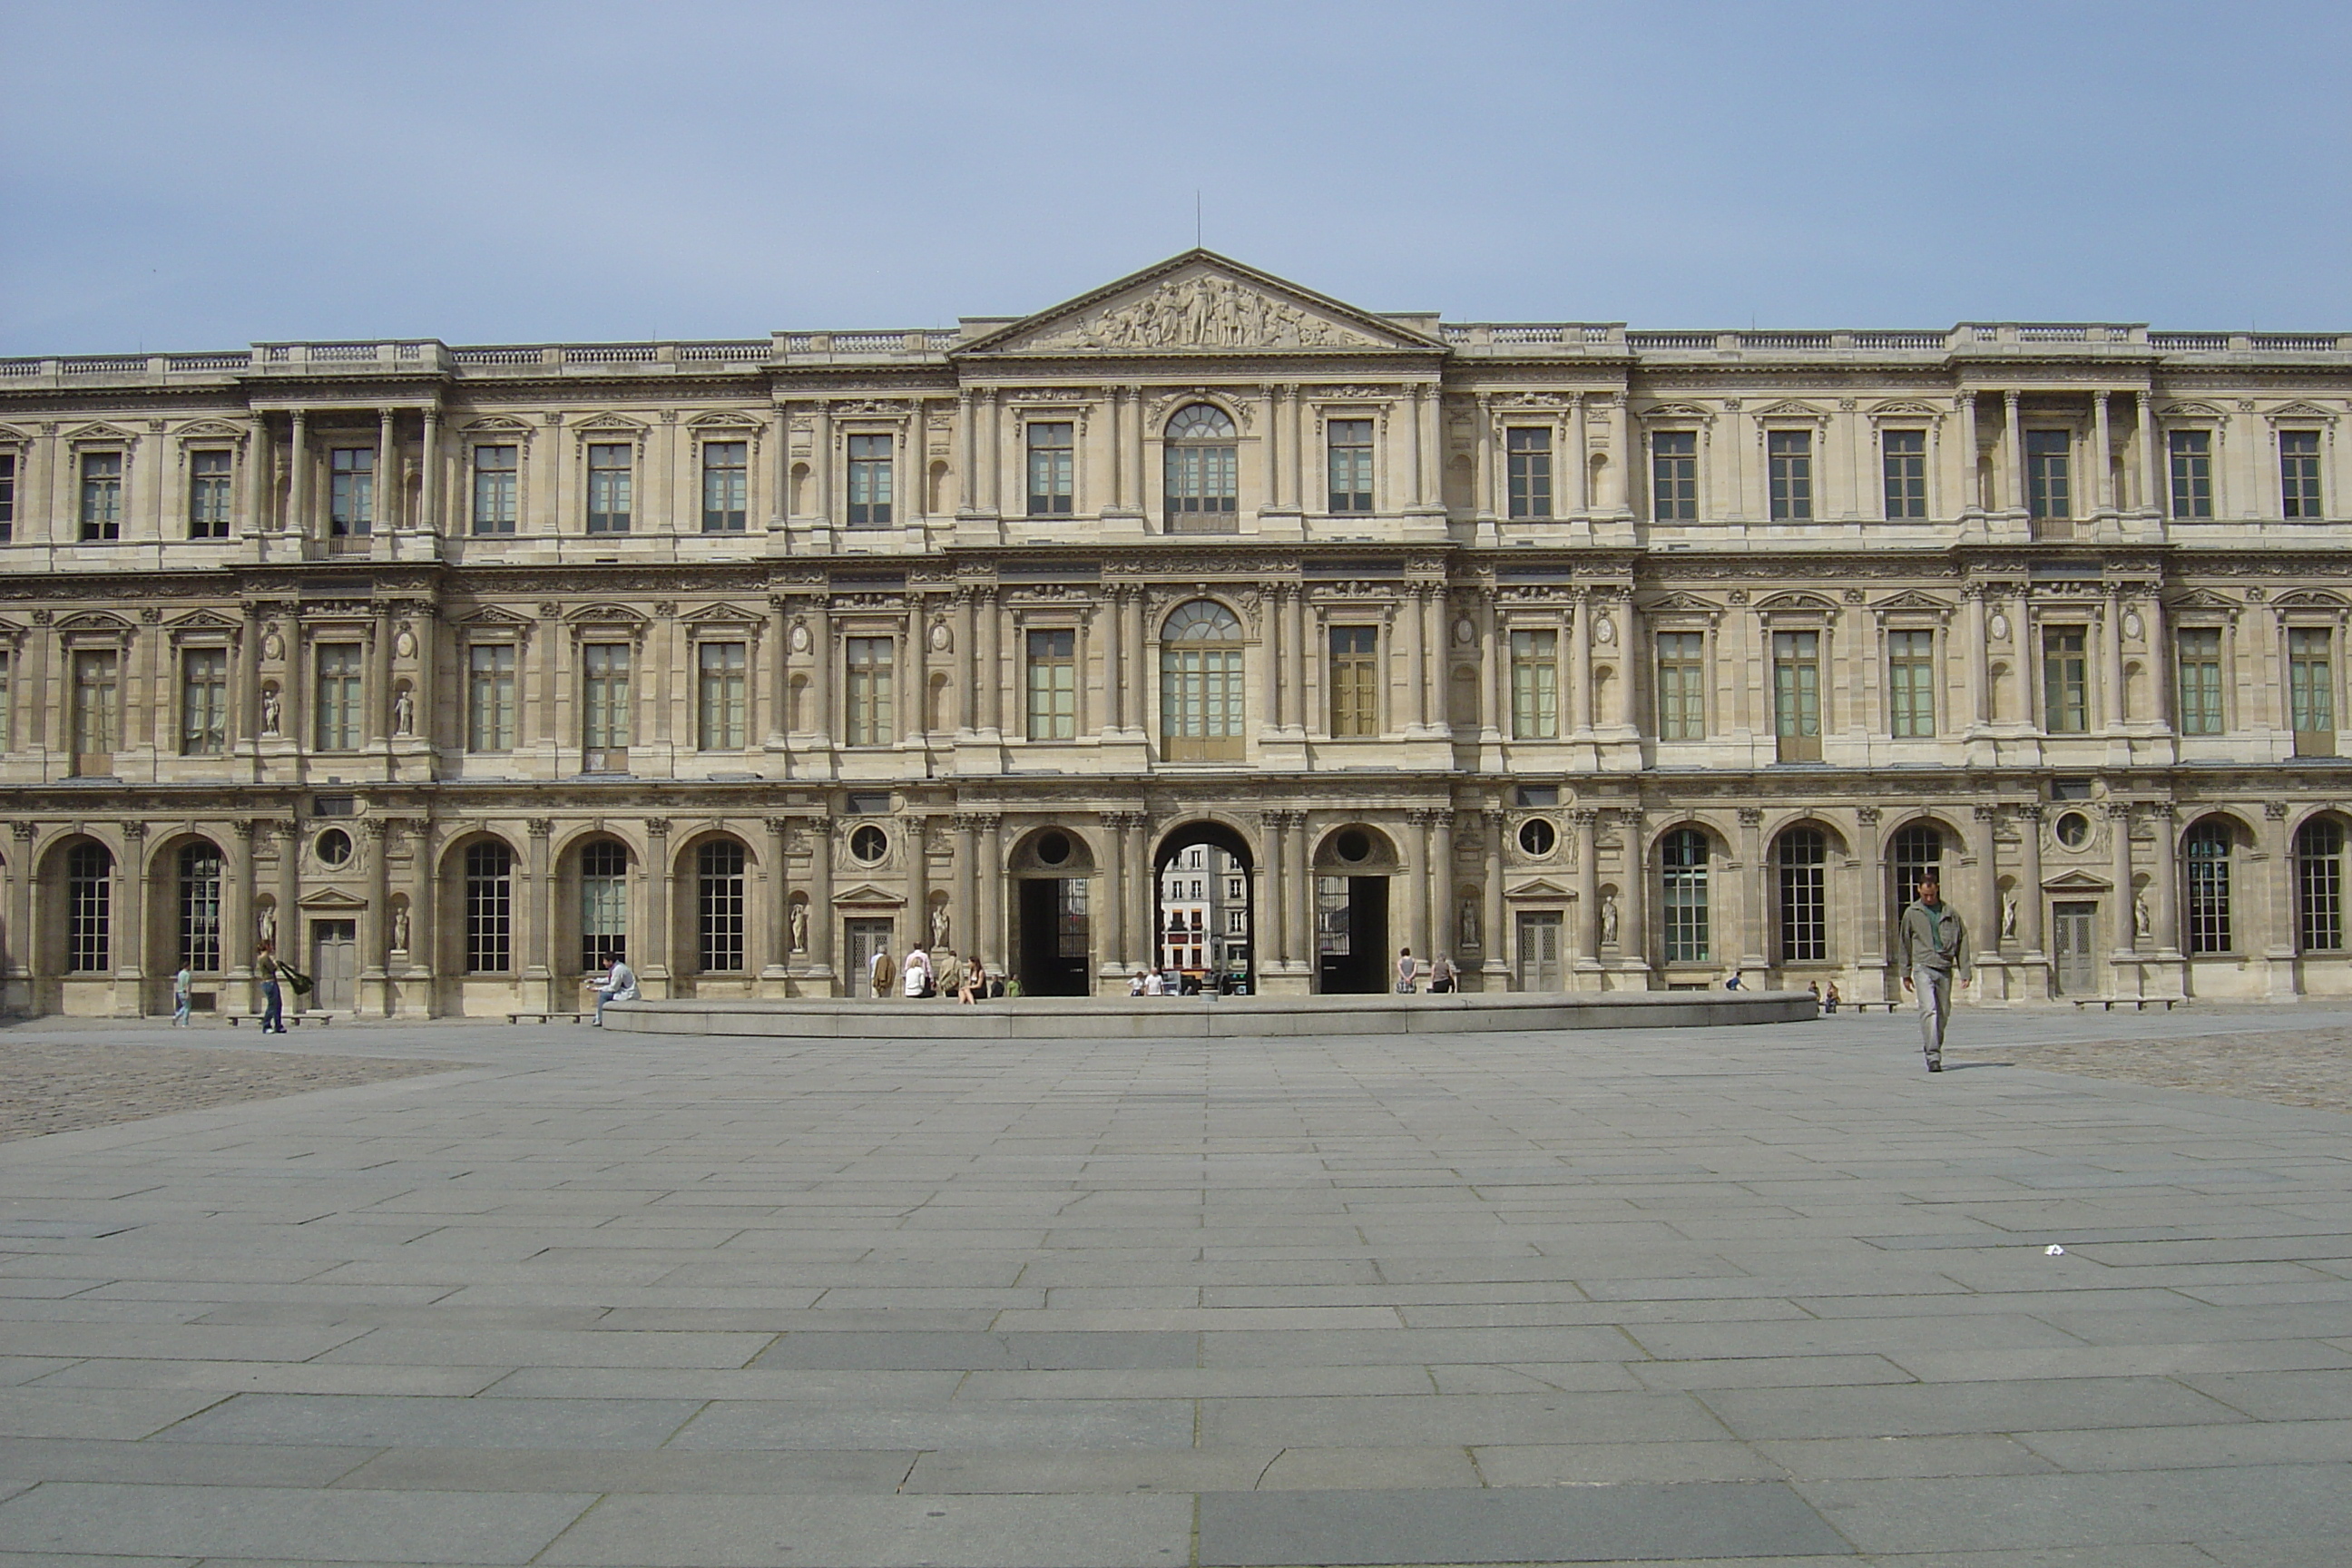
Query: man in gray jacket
{"x": 1932, "y": 946}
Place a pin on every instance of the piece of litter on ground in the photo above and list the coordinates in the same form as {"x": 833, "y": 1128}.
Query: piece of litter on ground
{"x": 2053, "y": 1250}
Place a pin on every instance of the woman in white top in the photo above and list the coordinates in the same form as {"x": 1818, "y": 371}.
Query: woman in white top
{"x": 919, "y": 973}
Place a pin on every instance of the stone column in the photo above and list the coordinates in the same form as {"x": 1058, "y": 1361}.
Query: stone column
{"x": 2152, "y": 464}
{"x": 1434, "y": 657}
{"x": 375, "y": 942}
{"x": 1112, "y": 613}
{"x": 661, "y": 901}
{"x": 919, "y": 888}
{"x": 1973, "y": 634}
{"x": 1584, "y": 930}
{"x": 2164, "y": 882}
{"x": 131, "y": 939}
{"x": 1273, "y": 896}
{"x": 2119, "y": 843}
{"x": 2103, "y": 490}
{"x": 297, "y": 491}
{"x": 1298, "y": 907}
{"x": 1494, "y": 958}
{"x": 991, "y": 663}
{"x": 1972, "y": 490}
{"x": 1580, "y": 453}
{"x": 1441, "y": 881}
{"x": 1136, "y": 858}
{"x": 988, "y": 941}
{"x": 1270, "y": 651}
{"x": 821, "y": 925}
{"x": 1482, "y": 500}
{"x": 1634, "y": 925}
{"x": 966, "y": 922}
{"x": 1417, "y": 873}
{"x": 1294, "y": 607}
{"x": 1138, "y": 668}
{"x": 820, "y": 461}
{"x": 286, "y": 836}
{"x": 780, "y": 670}
{"x": 426, "y": 943}
{"x": 260, "y": 479}
{"x": 1580, "y": 665}
{"x": 237, "y": 907}
{"x": 1753, "y": 946}
{"x": 2013, "y": 431}
{"x": 2111, "y": 661}
{"x": 2029, "y": 877}
{"x": 1984, "y": 919}
{"x": 966, "y": 678}
{"x": 1416, "y": 661}
{"x": 914, "y": 690}
{"x": 1115, "y": 874}
{"x": 780, "y": 897}
{"x": 538, "y": 938}
{"x": 822, "y": 655}
{"x": 428, "y": 478}
{"x": 2278, "y": 932}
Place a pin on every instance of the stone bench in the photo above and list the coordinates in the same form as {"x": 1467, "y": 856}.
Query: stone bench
{"x": 313, "y": 1016}
{"x": 2137, "y": 1004}
{"x": 550, "y": 1017}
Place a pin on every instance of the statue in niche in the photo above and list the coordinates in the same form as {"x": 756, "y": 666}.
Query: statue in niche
{"x": 270, "y": 711}
{"x": 2009, "y": 917}
{"x": 943, "y": 926}
{"x": 400, "y": 928}
{"x": 267, "y": 927}
{"x": 1608, "y": 919}
{"x": 800, "y": 927}
{"x": 1467, "y": 931}
{"x": 404, "y": 712}
{"x": 2143, "y": 920}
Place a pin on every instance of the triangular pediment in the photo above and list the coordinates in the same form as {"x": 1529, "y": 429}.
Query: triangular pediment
{"x": 204, "y": 621}
{"x": 1681, "y": 602}
{"x": 330, "y": 898}
{"x": 1198, "y": 302}
{"x": 866, "y": 893}
{"x": 727, "y": 614}
{"x": 2075, "y": 882}
{"x": 2201, "y": 599}
{"x": 1541, "y": 888}
{"x": 491, "y": 615}
{"x": 1912, "y": 599}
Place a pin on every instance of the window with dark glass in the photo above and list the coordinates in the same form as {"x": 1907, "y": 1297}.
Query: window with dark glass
{"x": 604, "y": 706}
{"x": 7, "y": 496}
{"x": 718, "y": 906}
{"x": 1527, "y": 461}
{"x": 97, "y": 715}
{"x": 2319, "y": 885}
{"x": 726, "y": 486}
{"x": 350, "y": 491}
{"x": 203, "y": 701}
{"x": 1053, "y": 467}
{"x": 2205, "y": 887}
{"x": 1052, "y": 685}
{"x": 867, "y": 699}
{"x": 498, "y": 474}
{"x": 90, "y": 909}
{"x": 1202, "y": 470}
{"x": 208, "y": 495}
{"x": 1801, "y": 858}
{"x": 2066, "y": 681}
{"x": 1673, "y": 475}
{"x": 612, "y": 467}
{"x": 1534, "y": 686}
{"x": 1682, "y": 690}
{"x": 723, "y": 670}
{"x": 338, "y": 686}
{"x": 2299, "y": 473}
{"x": 489, "y": 907}
{"x": 2198, "y": 651}
{"x": 200, "y": 908}
{"x": 603, "y": 905}
{"x": 1911, "y": 683}
{"x": 1904, "y": 457}
{"x": 869, "y": 481}
{"x": 2311, "y": 688}
{"x": 491, "y": 697}
{"x": 2193, "y": 473}
{"x": 2049, "y": 458}
{"x": 1349, "y": 456}
{"x": 1797, "y": 695}
{"x": 1788, "y": 461}
{"x": 101, "y": 495}
{"x": 1355, "y": 680}
{"x": 1683, "y": 908}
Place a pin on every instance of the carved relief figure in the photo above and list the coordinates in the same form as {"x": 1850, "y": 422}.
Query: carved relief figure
{"x": 273, "y": 647}
{"x": 1204, "y": 313}
{"x": 405, "y": 645}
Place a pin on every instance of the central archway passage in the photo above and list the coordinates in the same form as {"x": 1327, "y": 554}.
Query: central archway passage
{"x": 1204, "y": 907}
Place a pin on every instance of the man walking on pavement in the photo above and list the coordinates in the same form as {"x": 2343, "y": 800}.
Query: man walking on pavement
{"x": 1933, "y": 949}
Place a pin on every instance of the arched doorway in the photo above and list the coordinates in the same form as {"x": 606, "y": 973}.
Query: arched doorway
{"x": 1352, "y": 867}
{"x": 1204, "y": 908}
{"x": 1052, "y": 940}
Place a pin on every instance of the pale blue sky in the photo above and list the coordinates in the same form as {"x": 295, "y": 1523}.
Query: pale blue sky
{"x": 201, "y": 174}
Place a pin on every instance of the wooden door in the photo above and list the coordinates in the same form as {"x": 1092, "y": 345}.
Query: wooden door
{"x": 334, "y": 965}
{"x": 1540, "y": 950}
{"x": 865, "y": 938}
{"x": 2071, "y": 933}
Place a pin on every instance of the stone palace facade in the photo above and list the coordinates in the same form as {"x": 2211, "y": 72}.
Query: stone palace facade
{"x": 1594, "y": 659}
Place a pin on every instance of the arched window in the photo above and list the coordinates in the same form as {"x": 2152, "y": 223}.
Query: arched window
{"x": 200, "y": 908}
{"x": 1203, "y": 471}
{"x": 719, "y": 905}
{"x": 2205, "y": 857}
{"x": 1682, "y": 857}
{"x": 489, "y": 907}
{"x": 90, "y": 909}
{"x": 604, "y": 904}
{"x": 1799, "y": 856}
{"x": 1916, "y": 851}
{"x": 2319, "y": 885}
{"x": 1200, "y": 683}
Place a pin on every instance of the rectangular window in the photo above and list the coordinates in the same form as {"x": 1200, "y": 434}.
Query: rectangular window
{"x": 2048, "y": 489}
{"x": 869, "y": 691}
{"x": 7, "y": 496}
{"x": 725, "y": 485}
{"x": 1903, "y": 453}
{"x": 1789, "y": 455}
{"x": 1682, "y": 691}
{"x": 350, "y": 491}
{"x": 339, "y": 686}
{"x": 2199, "y": 650}
{"x": 97, "y": 718}
{"x": 721, "y": 706}
{"x": 1797, "y": 695}
{"x": 1355, "y": 680}
{"x": 208, "y": 495}
{"x": 1534, "y": 686}
{"x": 203, "y": 701}
{"x": 1911, "y": 683}
{"x": 2193, "y": 473}
{"x": 489, "y": 908}
{"x": 1052, "y": 468}
{"x": 2299, "y": 473}
{"x": 2065, "y": 681}
{"x": 604, "y": 706}
{"x": 611, "y": 467}
{"x": 1349, "y": 456}
{"x": 200, "y": 910}
{"x": 2311, "y": 690}
{"x": 1673, "y": 475}
{"x": 1053, "y": 686}
{"x": 1527, "y": 452}
{"x": 869, "y": 481}
{"x": 496, "y": 473}
{"x": 101, "y": 495}
{"x": 491, "y": 697}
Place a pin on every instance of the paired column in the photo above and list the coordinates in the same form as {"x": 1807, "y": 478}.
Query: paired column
{"x": 780, "y": 895}
{"x": 388, "y": 475}
{"x": 2127, "y": 914}
{"x": 2102, "y": 455}
{"x": 298, "y": 490}
{"x": 1272, "y": 947}
{"x": 1752, "y": 944}
{"x": 1441, "y": 880}
{"x": 2029, "y": 876}
{"x": 1294, "y": 607}
{"x": 1298, "y": 910}
{"x": 967, "y": 869}
{"x": 1418, "y": 873}
{"x": 1585, "y": 931}
{"x": 2013, "y": 431}
{"x": 375, "y": 921}
{"x": 1115, "y": 871}
{"x": 538, "y": 941}
{"x": 2111, "y": 659}
{"x": 2164, "y": 882}
{"x": 1112, "y": 618}
{"x": 130, "y": 940}
{"x": 661, "y": 900}
{"x": 821, "y": 922}
{"x": 918, "y": 886}
{"x": 1632, "y": 934}
{"x": 237, "y": 899}
{"x": 1984, "y": 920}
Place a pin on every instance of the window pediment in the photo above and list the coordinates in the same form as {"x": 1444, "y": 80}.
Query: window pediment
{"x": 1198, "y": 303}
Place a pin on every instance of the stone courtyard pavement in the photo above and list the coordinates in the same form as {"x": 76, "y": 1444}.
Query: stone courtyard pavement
{"x": 1762, "y": 1296}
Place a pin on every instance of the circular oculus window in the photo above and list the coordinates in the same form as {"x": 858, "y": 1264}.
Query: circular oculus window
{"x": 1536, "y": 836}
{"x": 333, "y": 847}
{"x": 868, "y": 845}
{"x": 1053, "y": 849}
{"x": 2073, "y": 830}
{"x": 1354, "y": 847}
